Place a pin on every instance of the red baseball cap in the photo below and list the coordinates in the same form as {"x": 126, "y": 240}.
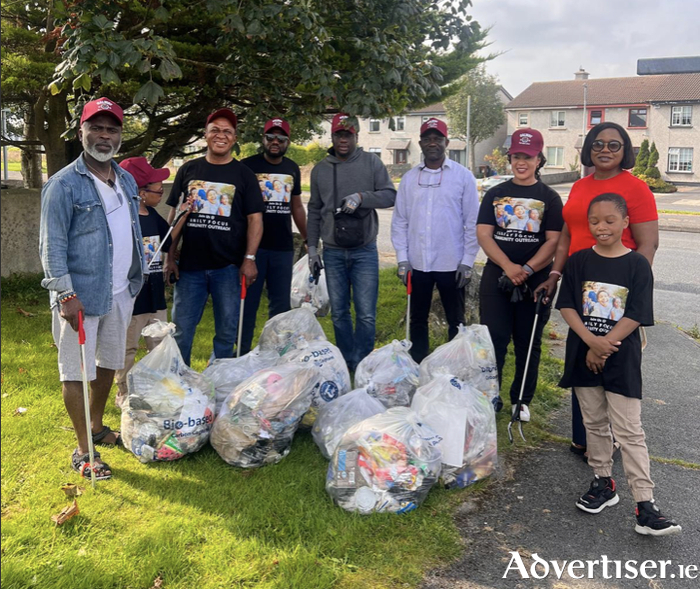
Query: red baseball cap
{"x": 527, "y": 141}
{"x": 340, "y": 123}
{"x": 143, "y": 172}
{"x": 225, "y": 113}
{"x": 102, "y": 106}
{"x": 277, "y": 124}
{"x": 434, "y": 124}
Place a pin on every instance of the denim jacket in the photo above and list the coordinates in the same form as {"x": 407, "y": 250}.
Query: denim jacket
{"x": 75, "y": 242}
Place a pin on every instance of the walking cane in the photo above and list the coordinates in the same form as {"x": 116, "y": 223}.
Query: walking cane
{"x": 240, "y": 317}
{"x": 409, "y": 289}
{"x": 176, "y": 220}
{"x": 86, "y": 396}
{"x": 516, "y": 413}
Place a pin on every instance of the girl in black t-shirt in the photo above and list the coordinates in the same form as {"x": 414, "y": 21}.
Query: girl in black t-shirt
{"x": 604, "y": 359}
{"x": 518, "y": 227}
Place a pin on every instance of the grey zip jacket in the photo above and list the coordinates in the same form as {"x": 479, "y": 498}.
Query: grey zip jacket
{"x": 362, "y": 172}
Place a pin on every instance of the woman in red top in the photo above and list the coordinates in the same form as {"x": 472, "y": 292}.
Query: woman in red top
{"x": 608, "y": 148}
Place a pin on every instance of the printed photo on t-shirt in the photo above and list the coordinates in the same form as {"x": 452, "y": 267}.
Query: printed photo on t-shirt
{"x": 522, "y": 214}
{"x": 211, "y": 198}
{"x": 276, "y": 191}
{"x": 603, "y": 305}
{"x": 150, "y": 247}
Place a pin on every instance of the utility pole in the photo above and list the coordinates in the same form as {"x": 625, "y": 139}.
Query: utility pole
{"x": 6, "y": 169}
{"x": 583, "y": 125}
{"x": 467, "y": 149}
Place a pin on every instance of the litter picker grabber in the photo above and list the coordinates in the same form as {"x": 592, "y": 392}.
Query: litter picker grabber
{"x": 409, "y": 290}
{"x": 176, "y": 220}
{"x": 86, "y": 396}
{"x": 516, "y": 413}
{"x": 240, "y": 317}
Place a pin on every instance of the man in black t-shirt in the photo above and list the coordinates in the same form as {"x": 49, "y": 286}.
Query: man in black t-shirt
{"x": 279, "y": 179}
{"x": 219, "y": 241}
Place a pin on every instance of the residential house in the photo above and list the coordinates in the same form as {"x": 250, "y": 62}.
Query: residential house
{"x": 665, "y": 109}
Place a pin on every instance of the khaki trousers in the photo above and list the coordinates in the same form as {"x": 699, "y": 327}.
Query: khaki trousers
{"x": 133, "y": 335}
{"x": 602, "y": 410}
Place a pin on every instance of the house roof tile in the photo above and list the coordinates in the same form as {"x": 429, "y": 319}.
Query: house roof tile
{"x": 606, "y": 91}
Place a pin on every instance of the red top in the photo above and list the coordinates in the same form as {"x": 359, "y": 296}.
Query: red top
{"x": 640, "y": 203}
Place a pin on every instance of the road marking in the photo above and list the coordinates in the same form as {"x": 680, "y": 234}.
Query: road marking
{"x": 692, "y": 203}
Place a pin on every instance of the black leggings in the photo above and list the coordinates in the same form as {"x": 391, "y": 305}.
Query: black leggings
{"x": 505, "y": 320}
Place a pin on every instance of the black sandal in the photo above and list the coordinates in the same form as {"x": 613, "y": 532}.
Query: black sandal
{"x": 81, "y": 464}
{"x": 101, "y": 435}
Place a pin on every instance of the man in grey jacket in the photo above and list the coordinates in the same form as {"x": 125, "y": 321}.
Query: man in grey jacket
{"x": 346, "y": 188}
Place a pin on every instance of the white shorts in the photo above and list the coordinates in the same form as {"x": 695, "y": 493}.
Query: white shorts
{"x": 105, "y": 340}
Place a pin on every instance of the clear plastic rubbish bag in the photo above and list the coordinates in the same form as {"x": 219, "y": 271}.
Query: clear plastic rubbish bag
{"x": 336, "y": 417}
{"x": 306, "y": 290}
{"x": 389, "y": 374}
{"x": 466, "y": 421}
{"x": 333, "y": 376}
{"x": 169, "y": 410}
{"x": 228, "y": 373}
{"x": 259, "y": 418}
{"x": 283, "y": 331}
{"x": 386, "y": 463}
{"x": 470, "y": 356}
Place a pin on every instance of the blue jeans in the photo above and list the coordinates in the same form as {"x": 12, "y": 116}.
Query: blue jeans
{"x": 191, "y": 294}
{"x": 275, "y": 270}
{"x": 356, "y": 270}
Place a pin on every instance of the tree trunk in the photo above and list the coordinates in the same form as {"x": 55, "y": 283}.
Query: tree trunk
{"x": 51, "y": 123}
{"x": 31, "y": 156}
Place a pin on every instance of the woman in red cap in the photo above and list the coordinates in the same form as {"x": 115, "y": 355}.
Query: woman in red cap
{"x": 518, "y": 228}
{"x": 608, "y": 148}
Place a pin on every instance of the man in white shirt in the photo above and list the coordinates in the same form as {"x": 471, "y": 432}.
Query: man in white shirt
{"x": 433, "y": 231}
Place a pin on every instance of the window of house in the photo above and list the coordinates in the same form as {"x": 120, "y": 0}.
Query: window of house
{"x": 374, "y": 125}
{"x": 459, "y": 156}
{"x": 376, "y": 151}
{"x": 555, "y": 157}
{"x": 638, "y": 117}
{"x": 681, "y": 116}
{"x": 680, "y": 159}
{"x": 595, "y": 117}
{"x": 557, "y": 118}
{"x": 400, "y": 156}
{"x": 399, "y": 123}
{"x": 522, "y": 119}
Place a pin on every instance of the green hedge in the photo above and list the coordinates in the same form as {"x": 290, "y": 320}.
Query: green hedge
{"x": 302, "y": 155}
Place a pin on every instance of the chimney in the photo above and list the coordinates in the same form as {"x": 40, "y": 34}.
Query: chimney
{"x": 581, "y": 74}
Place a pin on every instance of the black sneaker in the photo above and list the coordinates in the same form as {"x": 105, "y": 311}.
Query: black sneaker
{"x": 650, "y": 522}
{"x": 602, "y": 494}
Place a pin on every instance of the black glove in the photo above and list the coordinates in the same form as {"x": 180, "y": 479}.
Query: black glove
{"x": 517, "y": 293}
{"x": 315, "y": 264}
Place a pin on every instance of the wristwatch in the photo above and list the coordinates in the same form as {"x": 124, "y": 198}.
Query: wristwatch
{"x": 250, "y": 257}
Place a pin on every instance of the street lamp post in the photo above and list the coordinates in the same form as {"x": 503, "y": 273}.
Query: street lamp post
{"x": 6, "y": 168}
{"x": 583, "y": 124}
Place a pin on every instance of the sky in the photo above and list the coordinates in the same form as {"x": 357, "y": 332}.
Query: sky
{"x": 548, "y": 40}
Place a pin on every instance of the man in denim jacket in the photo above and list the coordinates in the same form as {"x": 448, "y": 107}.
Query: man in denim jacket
{"x": 90, "y": 245}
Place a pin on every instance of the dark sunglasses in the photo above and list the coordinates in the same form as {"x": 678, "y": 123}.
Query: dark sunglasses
{"x": 613, "y": 146}
{"x": 281, "y": 138}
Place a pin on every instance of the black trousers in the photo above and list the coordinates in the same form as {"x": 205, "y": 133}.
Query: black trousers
{"x": 452, "y": 301}
{"x": 507, "y": 320}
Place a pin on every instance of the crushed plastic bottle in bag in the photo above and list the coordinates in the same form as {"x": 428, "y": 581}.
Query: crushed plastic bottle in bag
{"x": 389, "y": 374}
{"x": 386, "y": 463}
{"x": 283, "y": 331}
{"x": 258, "y": 419}
{"x": 466, "y": 421}
{"x": 227, "y": 373}
{"x": 336, "y": 417}
{"x": 470, "y": 356}
{"x": 306, "y": 290}
{"x": 169, "y": 409}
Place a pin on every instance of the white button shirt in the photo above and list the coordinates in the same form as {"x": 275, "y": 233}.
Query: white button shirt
{"x": 434, "y": 221}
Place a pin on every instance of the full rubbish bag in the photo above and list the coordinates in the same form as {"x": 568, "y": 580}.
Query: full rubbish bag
{"x": 283, "y": 331}
{"x": 336, "y": 417}
{"x": 333, "y": 376}
{"x": 259, "y": 418}
{"x": 466, "y": 421}
{"x": 228, "y": 373}
{"x": 386, "y": 463}
{"x": 306, "y": 290}
{"x": 470, "y": 356}
{"x": 389, "y": 374}
{"x": 169, "y": 409}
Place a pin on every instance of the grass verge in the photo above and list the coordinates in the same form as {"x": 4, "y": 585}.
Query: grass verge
{"x": 197, "y": 522}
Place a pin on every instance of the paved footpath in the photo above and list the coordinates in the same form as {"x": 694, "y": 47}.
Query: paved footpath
{"x": 530, "y": 506}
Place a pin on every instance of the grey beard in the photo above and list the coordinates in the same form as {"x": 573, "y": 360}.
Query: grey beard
{"x": 98, "y": 155}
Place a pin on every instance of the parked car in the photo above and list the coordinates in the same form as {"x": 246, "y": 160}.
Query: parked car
{"x": 488, "y": 183}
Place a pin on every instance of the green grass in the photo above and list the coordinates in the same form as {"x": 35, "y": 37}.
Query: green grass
{"x": 672, "y": 212}
{"x": 197, "y": 522}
